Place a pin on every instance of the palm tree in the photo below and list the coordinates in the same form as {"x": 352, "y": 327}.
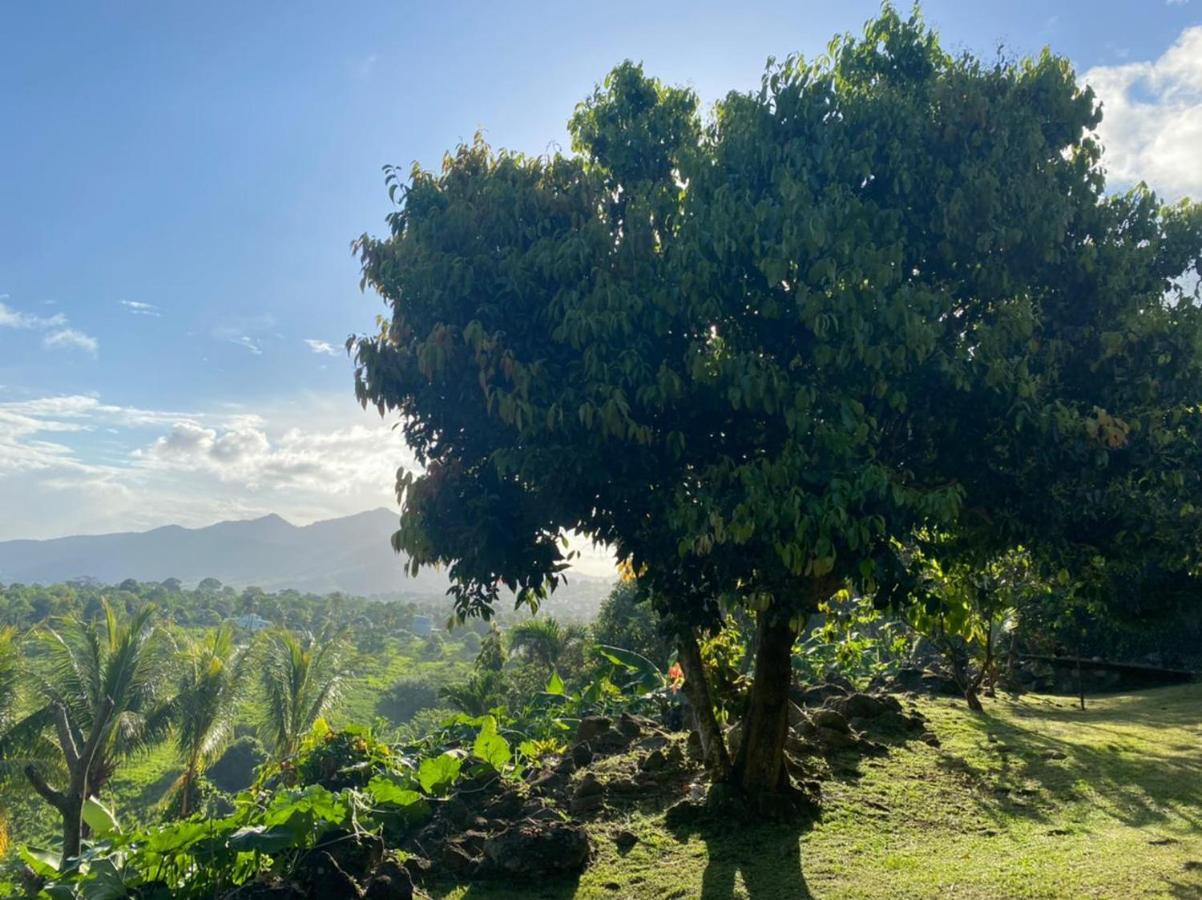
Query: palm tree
{"x": 302, "y": 677}
{"x": 204, "y": 707}
{"x": 100, "y": 685}
{"x": 475, "y": 696}
{"x": 10, "y": 668}
{"x": 544, "y": 640}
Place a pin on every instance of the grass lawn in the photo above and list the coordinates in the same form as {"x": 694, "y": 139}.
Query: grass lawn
{"x": 1036, "y": 798}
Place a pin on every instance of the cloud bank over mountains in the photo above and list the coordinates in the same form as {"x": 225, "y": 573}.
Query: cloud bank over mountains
{"x": 75, "y": 464}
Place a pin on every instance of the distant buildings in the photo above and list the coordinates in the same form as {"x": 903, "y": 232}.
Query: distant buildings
{"x": 251, "y": 622}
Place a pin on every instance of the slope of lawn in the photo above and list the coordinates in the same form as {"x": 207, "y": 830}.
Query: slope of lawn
{"x": 1036, "y": 798}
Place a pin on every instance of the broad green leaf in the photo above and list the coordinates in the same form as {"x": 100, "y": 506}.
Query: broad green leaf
{"x": 263, "y": 839}
{"x": 555, "y": 685}
{"x": 43, "y": 863}
{"x": 99, "y": 818}
{"x": 491, "y": 747}
{"x": 436, "y": 774}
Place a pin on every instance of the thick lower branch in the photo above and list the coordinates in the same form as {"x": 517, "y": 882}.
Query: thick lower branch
{"x": 57, "y": 799}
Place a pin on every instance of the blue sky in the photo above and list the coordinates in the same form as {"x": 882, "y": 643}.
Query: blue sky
{"x": 179, "y": 185}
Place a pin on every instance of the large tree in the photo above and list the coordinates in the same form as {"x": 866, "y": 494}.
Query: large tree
{"x": 881, "y": 304}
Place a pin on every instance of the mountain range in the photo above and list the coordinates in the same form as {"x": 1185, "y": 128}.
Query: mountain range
{"x": 350, "y": 554}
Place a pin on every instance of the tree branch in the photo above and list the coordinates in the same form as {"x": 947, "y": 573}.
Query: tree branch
{"x": 57, "y": 799}
{"x": 62, "y": 725}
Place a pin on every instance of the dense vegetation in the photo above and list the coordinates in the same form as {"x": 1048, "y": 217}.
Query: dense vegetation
{"x": 882, "y": 401}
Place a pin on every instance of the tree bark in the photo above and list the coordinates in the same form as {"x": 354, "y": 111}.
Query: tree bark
{"x": 697, "y": 690}
{"x": 760, "y": 767}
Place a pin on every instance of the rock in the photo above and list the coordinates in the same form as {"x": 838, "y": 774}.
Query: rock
{"x": 459, "y": 861}
{"x": 624, "y": 840}
{"x": 829, "y": 719}
{"x": 940, "y": 684}
{"x": 632, "y": 726}
{"x": 270, "y": 887}
{"x": 530, "y": 849}
{"x": 860, "y": 706}
{"x": 801, "y": 747}
{"x": 907, "y": 678}
{"x": 835, "y": 740}
{"x": 624, "y": 788}
{"x": 505, "y": 806}
{"x": 654, "y": 761}
{"x": 355, "y": 853}
{"x": 930, "y": 738}
{"x": 389, "y": 881}
{"x": 323, "y": 877}
{"x": 1054, "y": 754}
{"x": 817, "y": 694}
{"x": 582, "y": 755}
{"x": 610, "y": 741}
{"x": 658, "y": 742}
{"x": 589, "y": 795}
{"x": 591, "y": 727}
{"x": 551, "y": 781}
{"x": 589, "y": 786}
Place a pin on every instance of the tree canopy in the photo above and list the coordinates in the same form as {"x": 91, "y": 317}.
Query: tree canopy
{"x": 883, "y": 301}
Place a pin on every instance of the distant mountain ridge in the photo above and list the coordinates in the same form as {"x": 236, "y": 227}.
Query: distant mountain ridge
{"x": 350, "y": 554}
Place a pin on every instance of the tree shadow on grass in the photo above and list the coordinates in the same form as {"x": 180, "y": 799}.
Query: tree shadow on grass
{"x": 1030, "y": 771}
{"x": 767, "y": 857}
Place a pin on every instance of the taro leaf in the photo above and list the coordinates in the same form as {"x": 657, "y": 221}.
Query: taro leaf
{"x": 436, "y": 774}
{"x": 491, "y": 747}
{"x": 99, "y": 818}
{"x": 263, "y": 839}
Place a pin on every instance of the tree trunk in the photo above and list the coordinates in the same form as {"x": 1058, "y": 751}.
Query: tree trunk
{"x": 760, "y": 767}
{"x": 72, "y": 813}
{"x": 696, "y": 688}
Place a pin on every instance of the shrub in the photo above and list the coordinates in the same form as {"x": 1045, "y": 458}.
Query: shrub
{"x": 406, "y": 698}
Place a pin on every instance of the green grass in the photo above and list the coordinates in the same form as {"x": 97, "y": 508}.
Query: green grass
{"x": 1036, "y": 798}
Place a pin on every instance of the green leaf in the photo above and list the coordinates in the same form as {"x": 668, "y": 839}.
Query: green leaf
{"x": 649, "y": 677}
{"x": 263, "y": 839}
{"x": 437, "y": 773}
{"x": 43, "y": 863}
{"x": 386, "y": 791}
{"x": 491, "y": 747}
{"x": 99, "y": 818}
{"x": 555, "y": 685}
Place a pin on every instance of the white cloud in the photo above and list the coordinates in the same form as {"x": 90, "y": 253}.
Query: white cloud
{"x": 1175, "y": 2}
{"x": 137, "y": 308}
{"x": 75, "y": 464}
{"x": 1152, "y": 118}
{"x": 249, "y": 343}
{"x": 321, "y": 347}
{"x": 58, "y": 335}
{"x": 11, "y": 318}
{"x": 70, "y": 339}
